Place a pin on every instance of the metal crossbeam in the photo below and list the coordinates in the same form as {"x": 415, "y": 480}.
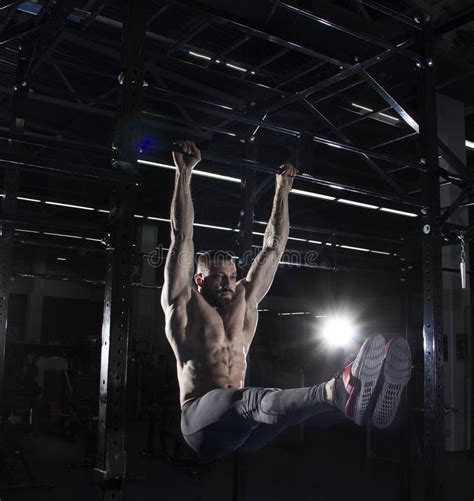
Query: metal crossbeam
{"x": 385, "y": 95}
{"x": 18, "y": 31}
{"x": 229, "y": 49}
{"x": 392, "y": 13}
{"x": 456, "y": 204}
{"x": 361, "y": 9}
{"x": 219, "y": 110}
{"x": 67, "y": 83}
{"x": 362, "y": 117}
{"x": 218, "y": 17}
{"x": 267, "y": 61}
{"x": 59, "y": 167}
{"x": 392, "y": 141}
{"x": 159, "y": 12}
{"x": 247, "y": 204}
{"x": 12, "y": 6}
{"x": 338, "y": 77}
{"x": 376, "y": 168}
{"x": 454, "y": 162}
{"x": 298, "y": 73}
{"x": 102, "y": 5}
{"x": 58, "y": 226}
{"x": 262, "y": 167}
{"x": 361, "y": 36}
{"x": 189, "y": 36}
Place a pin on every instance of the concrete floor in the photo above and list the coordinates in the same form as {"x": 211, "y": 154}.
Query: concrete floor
{"x": 308, "y": 471}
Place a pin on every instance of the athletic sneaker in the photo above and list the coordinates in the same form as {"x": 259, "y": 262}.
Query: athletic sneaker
{"x": 395, "y": 375}
{"x": 355, "y": 387}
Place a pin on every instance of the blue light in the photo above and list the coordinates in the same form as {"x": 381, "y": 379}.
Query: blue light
{"x": 145, "y": 144}
{"x": 30, "y": 8}
{"x": 35, "y": 9}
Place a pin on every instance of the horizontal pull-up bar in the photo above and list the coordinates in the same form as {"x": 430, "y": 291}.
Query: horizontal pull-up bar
{"x": 259, "y": 166}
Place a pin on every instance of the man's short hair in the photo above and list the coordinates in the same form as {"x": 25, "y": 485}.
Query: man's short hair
{"x": 205, "y": 259}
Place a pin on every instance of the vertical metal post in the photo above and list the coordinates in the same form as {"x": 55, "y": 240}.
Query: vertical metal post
{"x": 245, "y": 252}
{"x": 111, "y": 460}
{"x": 432, "y": 278}
{"x": 6, "y": 252}
{"x": 406, "y": 461}
{"x": 247, "y": 194}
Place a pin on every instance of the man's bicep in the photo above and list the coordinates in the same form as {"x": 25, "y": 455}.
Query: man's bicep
{"x": 261, "y": 274}
{"x": 179, "y": 269}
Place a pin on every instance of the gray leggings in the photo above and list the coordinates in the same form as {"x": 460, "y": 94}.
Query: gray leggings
{"x": 227, "y": 420}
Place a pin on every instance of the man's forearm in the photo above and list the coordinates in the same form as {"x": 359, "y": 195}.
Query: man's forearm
{"x": 182, "y": 210}
{"x": 278, "y": 228}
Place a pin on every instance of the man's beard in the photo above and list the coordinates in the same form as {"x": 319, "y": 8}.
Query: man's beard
{"x": 217, "y": 299}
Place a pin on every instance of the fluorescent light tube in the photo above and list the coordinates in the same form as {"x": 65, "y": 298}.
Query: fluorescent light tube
{"x": 201, "y": 56}
{"x": 358, "y": 204}
{"x": 311, "y": 194}
{"x": 235, "y": 67}
{"x": 354, "y": 248}
{"x": 29, "y": 199}
{"x": 399, "y": 212}
{"x": 362, "y": 107}
{"x": 70, "y": 206}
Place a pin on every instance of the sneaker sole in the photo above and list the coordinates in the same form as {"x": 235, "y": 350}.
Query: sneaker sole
{"x": 396, "y": 374}
{"x": 366, "y": 369}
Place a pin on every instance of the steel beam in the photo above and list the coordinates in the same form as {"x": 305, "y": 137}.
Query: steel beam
{"x": 50, "y": 24}
{"x": 159, "y": 12}
{"x": 362, "y": 117}
{"x": 385, "y": 95}
{"x": 111, "y": 454}
{"x": 394, "y": 184}
{"x": 298, "y": 73}
{"x": 454, "y": 162}
{"x": 448, "y": 212}
{"x": 63, "y": 102}
{"x": 54, "y": 226}
{"x": 79, "y": 248}
{"x": 361, "y": 9}
{"x": 18, "y": 31}
{"x": 102, "y": 5}
{"x": 338, "y": 77}
{"x": 392, "y": 13}
{"x": 85, "y": 281}
{"x": 59, "y": 278}
{"x": 5, "y": 21}
{"x": 6, "y": 255}
{"x": 190, "y": 35}
{"x": 247, "y": 193}
{"x": 267, "y": 61}
{"x": 221, "y": 18}
{"x": 361, "y": 36}
{"x": 392, "y": 141}
{"x": 430, "y": 232}
{"x": 220, "y": 110}
{"x": 60, "y": 167}
{"x": 237, "y": 162}
{"x": 229, "y": 49}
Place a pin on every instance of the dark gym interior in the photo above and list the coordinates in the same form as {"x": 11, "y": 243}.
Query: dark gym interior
{"x": 371, "y": 100}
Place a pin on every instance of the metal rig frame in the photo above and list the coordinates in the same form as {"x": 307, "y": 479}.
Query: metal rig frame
{"x": 111, "y": 465}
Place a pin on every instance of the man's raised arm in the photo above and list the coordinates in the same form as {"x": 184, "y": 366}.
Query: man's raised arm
{"x": 260, "y": 276}
{"x": 179, "y": 265}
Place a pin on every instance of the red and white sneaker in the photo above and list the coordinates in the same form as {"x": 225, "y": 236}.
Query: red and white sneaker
{"x": 395, "y": 375}
{"x": 354, "y": 388}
